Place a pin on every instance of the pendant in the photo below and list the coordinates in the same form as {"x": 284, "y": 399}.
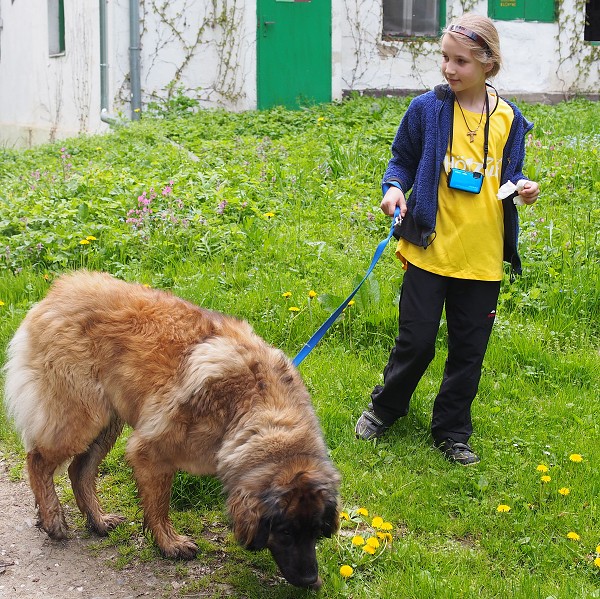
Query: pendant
{"x": 472, "y": 135}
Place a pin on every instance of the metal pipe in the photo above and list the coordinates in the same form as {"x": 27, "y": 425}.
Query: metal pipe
{"x": 104, "y": 115}
{"x": 134, "y": 59}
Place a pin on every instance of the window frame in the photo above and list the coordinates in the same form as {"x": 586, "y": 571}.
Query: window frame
{"x": 56, "y": 28}
{"x": 388, "y": 37}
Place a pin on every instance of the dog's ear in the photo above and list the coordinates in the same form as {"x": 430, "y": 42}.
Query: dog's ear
{"x": 246, "y": 516}
{"x": 261, "y": 536}
{"x": 331, "y": 518}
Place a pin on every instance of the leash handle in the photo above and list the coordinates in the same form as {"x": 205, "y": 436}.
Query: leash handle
{"x": 312, "y": 342}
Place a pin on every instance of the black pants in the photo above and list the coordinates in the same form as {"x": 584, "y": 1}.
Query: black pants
{"x": 470, "y": 312}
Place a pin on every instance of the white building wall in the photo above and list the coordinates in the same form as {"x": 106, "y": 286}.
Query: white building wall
{"x": 43, "y": 97}
{"x": 204, "y": 49}
{"x": 537, "y": 63}
{"x": 207, "y": 50}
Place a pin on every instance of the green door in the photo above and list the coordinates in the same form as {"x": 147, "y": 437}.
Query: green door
{"x": 293, "y": 53}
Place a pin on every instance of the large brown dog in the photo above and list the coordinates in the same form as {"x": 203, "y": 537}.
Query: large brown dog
{"x": 203, "y": 394}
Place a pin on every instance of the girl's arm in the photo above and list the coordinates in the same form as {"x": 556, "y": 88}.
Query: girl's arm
{"x": 406, "y": 151}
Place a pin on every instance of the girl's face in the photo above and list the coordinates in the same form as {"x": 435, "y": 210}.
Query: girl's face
{"x": 460, "y": 68}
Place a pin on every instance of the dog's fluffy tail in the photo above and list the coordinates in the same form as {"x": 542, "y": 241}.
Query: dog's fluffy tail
{"x": 21, "y": 395}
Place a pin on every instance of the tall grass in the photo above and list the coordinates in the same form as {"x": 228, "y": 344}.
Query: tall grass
{"x": 249, "y": 213}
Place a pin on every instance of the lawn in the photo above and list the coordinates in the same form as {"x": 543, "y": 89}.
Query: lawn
{"x": 273, "y": 217}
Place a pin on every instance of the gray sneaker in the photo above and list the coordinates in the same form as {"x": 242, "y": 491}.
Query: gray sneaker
{"x": 370, "y": 426}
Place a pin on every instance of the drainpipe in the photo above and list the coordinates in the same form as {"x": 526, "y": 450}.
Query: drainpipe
{"x": 134, "y": 62}
{"x": 104, "y": 115}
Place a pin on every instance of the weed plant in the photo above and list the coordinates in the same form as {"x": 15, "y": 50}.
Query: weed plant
{"x": 271, "y": 216}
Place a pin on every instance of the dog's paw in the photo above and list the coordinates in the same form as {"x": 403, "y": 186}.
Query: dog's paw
{"x": 105, "y": 523}
{"x": 57, "y": 529}
{"x": 180, "y": 548}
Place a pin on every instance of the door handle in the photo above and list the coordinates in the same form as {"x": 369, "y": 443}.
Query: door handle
{"x": 267, "y": 24}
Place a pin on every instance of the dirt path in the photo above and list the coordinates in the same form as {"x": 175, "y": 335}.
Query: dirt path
{"x": 34, "y": 567}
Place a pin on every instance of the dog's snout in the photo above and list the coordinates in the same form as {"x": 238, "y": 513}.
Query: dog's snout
{"x": 316, "y": 585}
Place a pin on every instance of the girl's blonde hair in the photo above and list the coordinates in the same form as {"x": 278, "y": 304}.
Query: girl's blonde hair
{"x": 485, "y": 30}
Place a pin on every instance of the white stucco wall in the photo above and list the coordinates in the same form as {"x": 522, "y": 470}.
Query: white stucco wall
{"x": 208, "y": 48}
{"x": 44, "y": 98}
{"x": 535, "y": 63}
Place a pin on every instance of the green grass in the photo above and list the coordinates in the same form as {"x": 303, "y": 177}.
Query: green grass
{"x": 278, "y": 201}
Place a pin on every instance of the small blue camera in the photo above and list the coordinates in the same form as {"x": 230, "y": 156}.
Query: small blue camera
{"x": 465, "y": 180}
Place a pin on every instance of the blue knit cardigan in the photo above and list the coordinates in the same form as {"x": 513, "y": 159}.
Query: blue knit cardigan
{"x": 418, "y": 153}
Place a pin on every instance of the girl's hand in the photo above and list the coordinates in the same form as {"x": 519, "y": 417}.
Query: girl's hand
{"x": 393, "y": 197}
{"x": 529, "y": 193}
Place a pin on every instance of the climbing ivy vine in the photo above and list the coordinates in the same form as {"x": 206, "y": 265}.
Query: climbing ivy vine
{"x": 184, "y": 37}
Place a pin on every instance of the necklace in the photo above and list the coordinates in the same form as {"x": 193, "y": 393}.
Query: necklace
{"x": 471, "y": 132}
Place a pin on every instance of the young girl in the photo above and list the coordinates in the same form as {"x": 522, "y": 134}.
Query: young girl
{"x": 454, "y": 148}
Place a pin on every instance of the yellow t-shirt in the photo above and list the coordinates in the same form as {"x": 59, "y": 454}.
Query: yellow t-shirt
{"x": 469, "y": 234}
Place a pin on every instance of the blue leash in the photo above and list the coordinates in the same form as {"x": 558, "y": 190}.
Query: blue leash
{"x": 310, "y": 344}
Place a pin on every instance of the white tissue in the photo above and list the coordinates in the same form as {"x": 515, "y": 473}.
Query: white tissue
{"x": 508, "y": 188}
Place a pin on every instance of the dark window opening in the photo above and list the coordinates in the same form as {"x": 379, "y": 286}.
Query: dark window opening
{"x": 592, "y": 21}
{"x": 412, "y": 18}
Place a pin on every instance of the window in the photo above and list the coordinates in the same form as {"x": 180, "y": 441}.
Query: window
{"x": 413, "y": 18}
{"x": 527, "y": 10}
{"x": 592, "y": 21}
{"x": 56, "y": 27}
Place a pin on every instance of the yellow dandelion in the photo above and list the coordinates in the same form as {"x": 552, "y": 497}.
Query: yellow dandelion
{"x": 344, "y": 516}
{"x": 346, "y": 571}
{"x": 312, "y": 294}
{"x": 503, "y": 508}
{"x": 269, "y": 214}
{"x": 373, "y": 542}
{"x": 575, "y": 457}
{"x": 362, "y": 511}
{"x": 320, "y": 119}
{"x": 598, "y": 549}
{"x": 542, "y": 468}
{"x": 564, "y": 491}
{"x": 369, "y": 549}
{"x": 91, "y": 238}
{"x": 286, "y": 294}
{"x": 387, "y": 526}
{"x": 377, "y": 522}
{"x": 1, "y": 303}
{"x": 358, "y": 540}
{"x": 294, "y": 309}
{"x": 84, "y": 242}
{"x": 351, "y": 303}
{"x": 545, "y": 478}
{"x": 386, "y": 537}
{"x": 597, "y": 562}
{"x": 573, "y": 536}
